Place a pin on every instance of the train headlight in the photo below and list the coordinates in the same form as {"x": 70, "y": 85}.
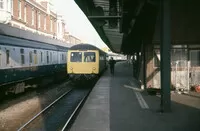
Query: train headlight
{"x": 94, "y": 68}
{"x": 71, "y": 68}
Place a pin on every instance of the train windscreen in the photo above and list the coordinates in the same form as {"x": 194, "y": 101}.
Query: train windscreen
{"x": 76, "y": 57}
{"x": 89, "y": 57}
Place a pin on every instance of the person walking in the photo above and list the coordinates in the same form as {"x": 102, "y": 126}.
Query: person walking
{"x": 112, "y": 63}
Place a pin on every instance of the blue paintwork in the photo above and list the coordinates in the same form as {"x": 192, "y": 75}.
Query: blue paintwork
{"x": 24, "y": 73}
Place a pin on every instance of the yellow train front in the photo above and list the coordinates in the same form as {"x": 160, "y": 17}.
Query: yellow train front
{"x": 85, "y": 62}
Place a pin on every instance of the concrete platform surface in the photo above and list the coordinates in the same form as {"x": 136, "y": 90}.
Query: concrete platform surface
{"x": 117, "y": 103}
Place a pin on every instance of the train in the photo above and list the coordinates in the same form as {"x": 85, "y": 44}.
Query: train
{"x": 85, "y": 62}
{"x": 24, "y": 62}
{"x": 117, "y": 57}
{"x": 27, "y": 63}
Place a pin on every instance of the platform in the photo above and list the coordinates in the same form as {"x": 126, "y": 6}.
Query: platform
{"x": 117, "y": 103}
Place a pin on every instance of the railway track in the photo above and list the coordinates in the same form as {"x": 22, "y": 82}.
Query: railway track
{"x": 58, "y": 115}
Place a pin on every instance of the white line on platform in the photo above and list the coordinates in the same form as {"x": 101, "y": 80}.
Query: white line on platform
{"x": 141, "y": 100}
{"x": 131, "y": 87}
{"x": 139, "y": 97}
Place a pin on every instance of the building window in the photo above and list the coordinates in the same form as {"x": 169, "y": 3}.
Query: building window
{"x": 179, "y": 58}
{"x": 7, "y": 57}
{"x": 1, "y": 4}
{"x": 38, "y": 19}
{"x": 156, "y": 55}
{"x": 51, "y": 25}
{"x": 33, "y": 17}
{"x": 11, "y": 7}
{"x": 58, "y": 28}
{"x": 195, "y": 58}
{"x": 22, "y": 56}
{"x": 19, "y": 9}
{"x": 45, "y": 22}
{"x": 25, "y": 14}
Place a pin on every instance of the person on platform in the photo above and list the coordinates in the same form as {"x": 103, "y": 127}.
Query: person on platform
{"x": 112, "y": 63}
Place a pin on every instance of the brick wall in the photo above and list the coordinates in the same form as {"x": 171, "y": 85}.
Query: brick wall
{"x": 40, "y": 10}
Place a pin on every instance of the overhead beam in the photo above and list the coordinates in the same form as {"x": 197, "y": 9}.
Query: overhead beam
{"x": 104, "y": 17}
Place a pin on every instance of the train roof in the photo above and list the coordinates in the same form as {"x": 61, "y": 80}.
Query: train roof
{"x": 14, "y": 41}
{"x": 83, "y": 46}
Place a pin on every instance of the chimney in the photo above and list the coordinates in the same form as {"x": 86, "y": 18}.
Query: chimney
{"x": 45, "y": 4}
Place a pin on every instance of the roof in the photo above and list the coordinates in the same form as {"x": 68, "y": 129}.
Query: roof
{"x": 83, "y": 46}
{"x": 14, "y": 41}
{"x": 121, "y": 23}
{"x": 8, "y": 30}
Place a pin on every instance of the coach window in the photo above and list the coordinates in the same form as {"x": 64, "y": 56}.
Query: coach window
{"x": 76, "y": 57}
{"x": 50, "y": 57}
{"x": 35, "y": 57}
{"x": 22, "y": 56}
{"x": 7, "y": 57}
{"x": 63, "y": 57}
{"x": 41, "y": 55}
{"x": 47, "y": 57}
{"x": 0, "y": 56}
{"x": 30, "y": 57}
{"x": 89, "y": 57}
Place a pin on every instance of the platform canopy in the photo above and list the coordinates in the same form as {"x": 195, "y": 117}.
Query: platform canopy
{"x": 122, "y": 24}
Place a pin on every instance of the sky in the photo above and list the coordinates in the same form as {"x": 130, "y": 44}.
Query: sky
{"x": 77, "y": 23}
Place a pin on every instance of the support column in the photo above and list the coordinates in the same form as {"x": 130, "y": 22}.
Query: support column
{"x": 137, "y": 66}
{"x": 144, "y": 66}
{"x": 134, "y": 65}
{"x": 165, "y": 56}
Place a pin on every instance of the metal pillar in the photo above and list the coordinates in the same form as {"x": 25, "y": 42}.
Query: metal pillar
{"x": 144, "y": 66}
{"x": 137, "y": 66}
{"x": 134, "y": 65}
{"x": 165, "y": 56}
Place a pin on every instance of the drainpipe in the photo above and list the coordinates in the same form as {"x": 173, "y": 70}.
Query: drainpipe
{"x": 188, "y": 75}
{"x": 176, "y": 75}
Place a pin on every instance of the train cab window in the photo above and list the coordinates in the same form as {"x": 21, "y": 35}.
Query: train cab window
{"x": 22, "y": 56}
{"x": 89, "y": 57}
{"x": 7, "y": 57}
{"x": 76, "y": 57}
